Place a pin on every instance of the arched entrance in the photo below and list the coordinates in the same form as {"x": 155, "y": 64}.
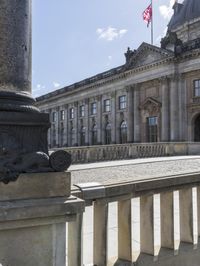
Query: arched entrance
{"x": 197, "y": 129}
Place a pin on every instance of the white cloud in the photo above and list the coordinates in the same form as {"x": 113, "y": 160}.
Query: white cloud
{"x": 109, "y": 61}
{"x": 110, "y": 33}
{"x": 39, "y": 87}
{"x": 56, "y": 84}
{"x": 166, "y": 10}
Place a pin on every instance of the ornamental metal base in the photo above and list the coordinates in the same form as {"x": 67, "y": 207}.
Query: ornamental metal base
{"x": 23, "y": 139}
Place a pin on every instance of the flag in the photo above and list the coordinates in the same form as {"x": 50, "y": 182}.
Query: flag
{"x": 147, "y": 14}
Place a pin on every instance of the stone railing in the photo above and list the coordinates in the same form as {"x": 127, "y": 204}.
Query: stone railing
{"x": 163, "y": 212}
{"x": 91, "y": 154}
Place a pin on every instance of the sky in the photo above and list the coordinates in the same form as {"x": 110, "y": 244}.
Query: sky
{"x": 76, "y": 39}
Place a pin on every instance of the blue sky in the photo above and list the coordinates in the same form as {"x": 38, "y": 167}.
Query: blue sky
{"x": 75, "y": 39}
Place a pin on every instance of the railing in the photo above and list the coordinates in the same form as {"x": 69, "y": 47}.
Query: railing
{"x": 92, "y": 154}
{"x": 168, "y": 214}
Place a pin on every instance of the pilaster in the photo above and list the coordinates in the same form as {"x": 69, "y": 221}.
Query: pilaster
{"x": 130, "y": 114}
{"x": 165, "y": 109}
{"x": 113, "y": 117}
{"x": 174, "y": 108}
{"x": 137, "y": 127}
{"x": 99, "y": 118}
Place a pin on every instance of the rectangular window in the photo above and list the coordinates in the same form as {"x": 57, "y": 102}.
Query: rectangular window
{"x": 93, "y": 108}
{"x": 106, "y": 105}
{"x": 122, "y": 102}
{"x": 62, "y": 115}
{"x": 71, "y": 113}
{"x": 54, "y": 117}
{"x": 197, "y": 88}
{"x": 82, "y": 111}
{"x": 152, "y": 129}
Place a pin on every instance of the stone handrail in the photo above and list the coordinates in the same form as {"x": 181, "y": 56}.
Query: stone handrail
{"x": 98, "y": 153}
{"x": 178, "y": 199}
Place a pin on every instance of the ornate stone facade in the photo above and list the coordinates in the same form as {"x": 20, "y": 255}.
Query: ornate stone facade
{"x": 153, "y": 97}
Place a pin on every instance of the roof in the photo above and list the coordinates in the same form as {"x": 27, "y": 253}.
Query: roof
{"x": 134, "y": 58}
{"x": 189, "y": 10}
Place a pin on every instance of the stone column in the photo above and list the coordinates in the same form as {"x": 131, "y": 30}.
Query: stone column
{"x": 15, "y": 45}
{"x": 137, "y": 122}
{"x": 130, "y": 114}
{"x": 76, "y": 125}
{"x": 182, "y": 108}
{"x": 165, "y": 110}
{"x": 65, "y": 126}
{"x": 87, "y": 122}
{"x": 174, "y": 109}
{"x": 99, "y": 119}
{"x": 113, "y": 117}
{"x": 58, "y": 126}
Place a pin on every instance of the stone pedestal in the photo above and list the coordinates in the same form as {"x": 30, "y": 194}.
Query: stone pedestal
{"x": 33, "y": 215}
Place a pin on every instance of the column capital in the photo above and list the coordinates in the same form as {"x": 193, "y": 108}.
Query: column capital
{"x": 164, "y": 79}
{"x": 175, "y": 76}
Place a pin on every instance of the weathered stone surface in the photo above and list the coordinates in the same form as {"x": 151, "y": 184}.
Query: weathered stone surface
{"x": 15, "y": 45}
{"x": 34, "y": 186}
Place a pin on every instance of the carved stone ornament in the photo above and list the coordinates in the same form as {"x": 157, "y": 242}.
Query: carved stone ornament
{"x": 12, "y": 164}
{"x": 151, "y": 106}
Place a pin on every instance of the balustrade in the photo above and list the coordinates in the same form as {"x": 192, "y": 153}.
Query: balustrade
{"x": 129, "y": 151}
{"x": 169, "y": 222}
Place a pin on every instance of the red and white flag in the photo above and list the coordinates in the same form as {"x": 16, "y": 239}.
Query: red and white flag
{"x": 147, "y": 14}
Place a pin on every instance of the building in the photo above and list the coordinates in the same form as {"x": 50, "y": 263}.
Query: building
{"x": 153, "y": 97}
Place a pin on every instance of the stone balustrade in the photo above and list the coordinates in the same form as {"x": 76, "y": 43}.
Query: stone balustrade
{"x": 98, "y": 153}
{"x": 169, "y": 224}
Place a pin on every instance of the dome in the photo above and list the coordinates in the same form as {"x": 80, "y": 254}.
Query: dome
{"x": 187, "y": 11}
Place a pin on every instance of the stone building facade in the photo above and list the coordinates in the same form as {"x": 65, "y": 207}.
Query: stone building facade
{"x": 153, "y": 97}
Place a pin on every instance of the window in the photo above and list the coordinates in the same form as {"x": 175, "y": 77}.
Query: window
{"x": 108, "y": 134}
{"x": 152, "y": 129}
{"x": 197, "y": 88}
{"x": 82, "y": 136}
{"x": 122, "y": 102}
{"x": 82, "y": 111}
{"x": 93, "y": 108}
{"x": 54, "y": 117}
{"x": 61, "y": 134}
{"x": 123, "y": 132}
{"x": 94, "y": 135}
{"x": 106, "y": 105}
{"x": 71, "y": 113}
{"x": 62, "y": 115}
{"x": 72, "y": 136}
{"x": 54, "y": 136}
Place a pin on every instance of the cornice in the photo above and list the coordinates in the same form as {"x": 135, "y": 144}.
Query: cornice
{"x": 73, "y": 89}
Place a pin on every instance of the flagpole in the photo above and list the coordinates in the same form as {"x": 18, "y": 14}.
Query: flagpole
{"x": 152, "y": 22}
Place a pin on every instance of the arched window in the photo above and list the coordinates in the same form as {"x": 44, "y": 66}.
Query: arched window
{"x": 54, "y": 135}
{"x": 82, "y": 136}
{"x": 108, "y": 134}
{"x": 197, "y": 129}
{"x": 94, "y": 135}
{"x": 72, "y": 136}
{"x": 61, "y": 134}
{"x": 123, "y": 132}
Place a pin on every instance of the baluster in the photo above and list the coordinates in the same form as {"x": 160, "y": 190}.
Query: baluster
{"x": 187, "y": 213}
{"x": 167, "y": 221}
{"x": 75, "y": 239}
{"x": 147, "y": 225}
{"x": 198, "y": 209}
{"x": 100, "y": 233}
{"x": 124, "y": 230}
